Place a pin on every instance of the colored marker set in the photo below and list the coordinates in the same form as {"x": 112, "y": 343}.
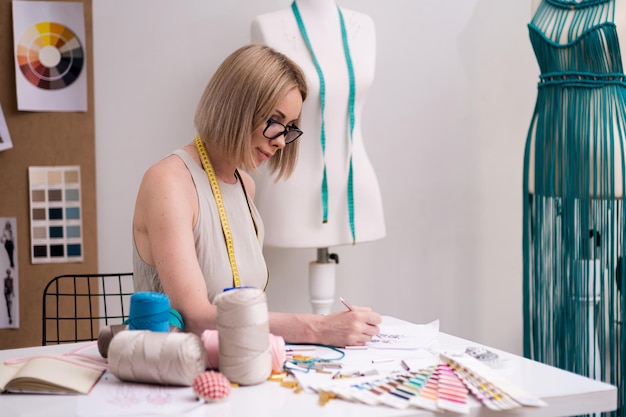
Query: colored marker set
{"x": 442, "y": 387}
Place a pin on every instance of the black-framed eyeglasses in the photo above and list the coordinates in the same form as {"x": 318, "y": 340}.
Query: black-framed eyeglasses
{"x": 275, "y": 128}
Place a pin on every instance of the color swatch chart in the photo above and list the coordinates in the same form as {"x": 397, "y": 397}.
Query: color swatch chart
{"x": 55, "y": 214}
{"x": 488, "y": 386}
{"x": 442, "y": 387}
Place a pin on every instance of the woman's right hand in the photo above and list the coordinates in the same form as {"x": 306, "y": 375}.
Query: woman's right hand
{"x": 353, "y": 327}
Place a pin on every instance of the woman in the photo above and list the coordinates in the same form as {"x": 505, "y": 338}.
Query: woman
{"x": 247, "y": 115}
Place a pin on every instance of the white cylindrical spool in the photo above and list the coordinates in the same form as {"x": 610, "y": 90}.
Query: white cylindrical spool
{"x": 156, "y": 357}
{"x": 587, "y": 279}
{"x": 588, "y": 275}
{"x": 322, "y": 286}
{"x": 242, "y": 322}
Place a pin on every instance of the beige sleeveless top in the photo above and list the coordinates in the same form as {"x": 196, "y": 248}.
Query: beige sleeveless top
{"x": 209, "y": 238}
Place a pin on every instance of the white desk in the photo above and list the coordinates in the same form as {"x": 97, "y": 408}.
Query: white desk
{"x": 567, "y": 394}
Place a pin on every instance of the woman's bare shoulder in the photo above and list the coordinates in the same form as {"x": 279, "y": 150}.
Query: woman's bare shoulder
{"x": 169, "y": 170}
{"x": 167, "y": 183}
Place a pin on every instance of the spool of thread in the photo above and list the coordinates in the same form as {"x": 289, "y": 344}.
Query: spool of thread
{"x": 149, "y": 311}
{"x": 210, "y": 340}
{"x": 243, "y": 334}
{"x": 106, "y": 335}
{"x": 156, "y": 358}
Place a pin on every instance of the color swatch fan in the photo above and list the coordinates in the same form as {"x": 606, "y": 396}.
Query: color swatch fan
{"x": 50, "y": 55}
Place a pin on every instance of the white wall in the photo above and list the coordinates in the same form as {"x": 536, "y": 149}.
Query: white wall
{"x": 445, "y": 127}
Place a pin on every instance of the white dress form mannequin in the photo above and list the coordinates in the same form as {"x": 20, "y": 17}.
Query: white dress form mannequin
{"x": 292, "y": 209}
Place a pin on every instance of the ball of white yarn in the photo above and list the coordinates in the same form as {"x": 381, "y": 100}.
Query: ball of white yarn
{"x": 156, "y": 357}
{"x": 242, "y": 321}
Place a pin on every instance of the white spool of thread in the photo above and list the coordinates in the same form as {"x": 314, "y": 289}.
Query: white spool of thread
{"x": 243, "y": 325}
{"x": 156, "y": 357}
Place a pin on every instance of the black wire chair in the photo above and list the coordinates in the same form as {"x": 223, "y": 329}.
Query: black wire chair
{"x": 75, "y": 307}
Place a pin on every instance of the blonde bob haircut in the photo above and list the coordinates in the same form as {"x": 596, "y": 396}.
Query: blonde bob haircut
{"x": 240, "y": 98}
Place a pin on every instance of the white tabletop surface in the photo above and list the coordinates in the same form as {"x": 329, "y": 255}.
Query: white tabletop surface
{"x": 565, "y": 393}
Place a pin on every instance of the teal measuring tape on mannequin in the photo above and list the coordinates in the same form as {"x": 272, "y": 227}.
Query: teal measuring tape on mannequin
{"x": 320, "y": 74}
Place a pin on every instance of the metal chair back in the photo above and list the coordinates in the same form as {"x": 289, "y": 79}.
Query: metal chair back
{"x": 76, "y": 307}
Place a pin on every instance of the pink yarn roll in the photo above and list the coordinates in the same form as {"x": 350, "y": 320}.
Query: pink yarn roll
{"x": 210, "y": 340}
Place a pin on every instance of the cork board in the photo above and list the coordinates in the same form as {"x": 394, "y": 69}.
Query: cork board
{"x": 43, "y": 139}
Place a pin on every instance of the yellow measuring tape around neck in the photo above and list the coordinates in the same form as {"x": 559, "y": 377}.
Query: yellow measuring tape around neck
{"x": 228, "y": 236}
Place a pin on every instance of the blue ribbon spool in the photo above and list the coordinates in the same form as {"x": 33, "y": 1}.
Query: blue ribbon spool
{"x": 149, "y": 311}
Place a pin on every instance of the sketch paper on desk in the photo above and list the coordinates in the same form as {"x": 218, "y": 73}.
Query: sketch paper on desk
{"x": 112, "y": 397}
{"x": 396, "y": 334}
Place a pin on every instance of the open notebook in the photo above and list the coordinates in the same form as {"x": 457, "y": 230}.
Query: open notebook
{"x": 49, "y": 374}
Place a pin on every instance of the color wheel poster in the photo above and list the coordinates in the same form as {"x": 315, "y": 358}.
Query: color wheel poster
{"x": 49, "y": 41}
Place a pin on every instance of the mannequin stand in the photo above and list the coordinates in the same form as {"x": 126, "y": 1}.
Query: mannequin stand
{"x": 322, "y": 281}
{"x": 588, "y": 299}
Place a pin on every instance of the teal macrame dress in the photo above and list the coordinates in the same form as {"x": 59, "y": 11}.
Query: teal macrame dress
{"x": 574, "y": 223}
